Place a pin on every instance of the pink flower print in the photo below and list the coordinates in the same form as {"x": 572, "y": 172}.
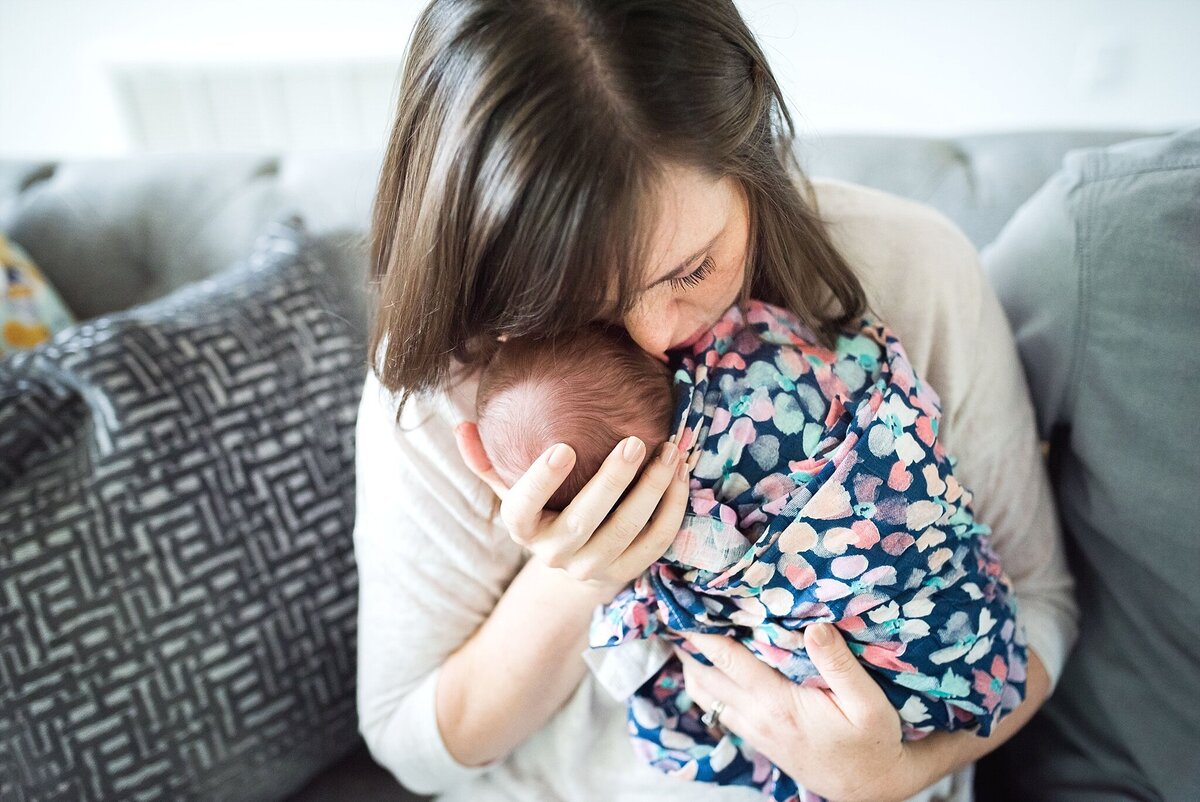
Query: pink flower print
{"x": 849, "y": 567}
{"x": 772, "y": 655}
{"x": 791, "y": 364}
{"x": 837, "y": 539}
{"x": 867, "y": 532}
{"x": 757, "y": 312}
{"x": 720, "y": 420}
{"x": 933, "y": 481}
{"x": 991, "y": 685}
{"x": 732, "y": 360}
{"x": 926, "y": 429}
{"x": 796, "y": 570}
{"x": 926, "y": 400}
{"x": 775, "y": 487}
{"x": 804, "y": 470}
{"x": 866, "y": 596}
{"x": 866, "y": 485}
{"x": 743, "y": 431}
{"x": 831, "y": 590}
{"x": 702, "y": 504}
{"x": 836, "y": 410}
{"x": 687, "y": 438}
{"x": 898, "y": 478}
{"x": 852, "y": 625}
{"x": 798, "y": 536}
{"x": 829, "y": 503}
{"x": 887, "y": 655}
{"x": 906, "y": 627}
{"x": 760, "y": 407}
{"x": 897, "y": 543}
{"x": 953, "y": 489}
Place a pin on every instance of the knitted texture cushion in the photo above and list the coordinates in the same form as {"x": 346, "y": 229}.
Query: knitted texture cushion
{"x": 177, "y": 581}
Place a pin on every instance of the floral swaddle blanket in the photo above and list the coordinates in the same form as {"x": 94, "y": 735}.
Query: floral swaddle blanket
{"x": 821, "y": 493}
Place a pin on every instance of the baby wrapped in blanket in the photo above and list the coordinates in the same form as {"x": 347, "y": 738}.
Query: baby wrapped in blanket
{"x": 820, "y": 492}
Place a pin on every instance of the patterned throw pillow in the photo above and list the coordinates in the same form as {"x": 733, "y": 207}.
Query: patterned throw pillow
{"x": 30, "y": 309}
{"x": 177, "y": 579}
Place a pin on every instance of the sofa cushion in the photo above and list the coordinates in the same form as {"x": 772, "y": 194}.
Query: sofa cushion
{"x": 177, "y": 581}
{"x": 1099, "y": 275}
{"x": 30, "y": 309}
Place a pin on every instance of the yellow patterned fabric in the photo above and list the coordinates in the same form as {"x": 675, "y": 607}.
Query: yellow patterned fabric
{"x": 31, "y": 312}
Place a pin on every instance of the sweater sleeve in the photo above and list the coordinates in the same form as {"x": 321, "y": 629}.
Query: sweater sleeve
{"x": 431, "y": 565}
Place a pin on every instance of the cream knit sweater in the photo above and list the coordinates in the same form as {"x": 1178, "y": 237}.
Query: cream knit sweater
{"x": 432, "y": 562}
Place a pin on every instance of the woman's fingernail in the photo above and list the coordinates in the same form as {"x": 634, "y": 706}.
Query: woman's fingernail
{"x": 559, "y": 456}
{"x": 670, "y": 453}
{"x": 632, "y": 450}
{"x": 819, "y": 634}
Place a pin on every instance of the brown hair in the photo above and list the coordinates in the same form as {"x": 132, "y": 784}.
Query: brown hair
{"x": 589, "y": 388}
{"x": 529, "y": 138}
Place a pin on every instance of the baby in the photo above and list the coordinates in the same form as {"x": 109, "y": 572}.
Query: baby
{"x": 591, "y": 389}
{"x": 819, "y": 492}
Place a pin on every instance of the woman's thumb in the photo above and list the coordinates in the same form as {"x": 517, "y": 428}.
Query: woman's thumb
{"x": 847, "y": 679}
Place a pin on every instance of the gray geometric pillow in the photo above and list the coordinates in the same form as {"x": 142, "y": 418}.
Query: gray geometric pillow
{"x": 177, "y": 578}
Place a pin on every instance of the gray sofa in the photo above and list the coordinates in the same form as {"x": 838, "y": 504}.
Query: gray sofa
{"x": 144, "y": 226}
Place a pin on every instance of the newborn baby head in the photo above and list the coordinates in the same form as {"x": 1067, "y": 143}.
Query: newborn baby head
{"x": 590, "y": 389}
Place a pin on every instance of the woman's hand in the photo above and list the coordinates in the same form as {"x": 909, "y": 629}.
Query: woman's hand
{"x": 593, "y": 546}
{"x": 842, "y": 743}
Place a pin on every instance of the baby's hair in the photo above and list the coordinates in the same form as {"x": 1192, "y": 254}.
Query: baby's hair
{"x": 589, "y": 388}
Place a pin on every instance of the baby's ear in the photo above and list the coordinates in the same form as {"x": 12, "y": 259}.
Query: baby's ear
{"x": 470, "y": 447}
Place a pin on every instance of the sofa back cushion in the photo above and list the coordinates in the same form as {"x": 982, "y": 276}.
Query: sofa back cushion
{"x": 1100, "y": 275}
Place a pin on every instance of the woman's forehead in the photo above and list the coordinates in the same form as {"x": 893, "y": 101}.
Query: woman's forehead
{"x": 689, "y": 210}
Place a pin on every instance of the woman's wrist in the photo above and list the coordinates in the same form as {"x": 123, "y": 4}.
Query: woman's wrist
{"x": 593, "y": 591}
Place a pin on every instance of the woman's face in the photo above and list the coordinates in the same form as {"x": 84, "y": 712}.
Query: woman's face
{"x": 698, "y": 260}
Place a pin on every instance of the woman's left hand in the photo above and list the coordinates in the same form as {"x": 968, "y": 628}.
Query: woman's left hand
{"x": 842, "y": 743}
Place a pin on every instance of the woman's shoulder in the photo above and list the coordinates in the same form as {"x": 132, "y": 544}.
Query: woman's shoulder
{"x": 921, "y": 275}
{"x": 445, "y": 406}
{"x": 881, "y": 232}
{"x": 410, "y": 470}
{"x": 919, "y": 270}
{"x": 421, "y": 436}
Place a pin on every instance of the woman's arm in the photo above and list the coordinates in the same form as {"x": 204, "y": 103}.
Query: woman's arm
{"x": 431, "y": 566}
{"x": 599, "y": 550}
{"x": 458, "y": 660}
{"x": 491, "y": 696}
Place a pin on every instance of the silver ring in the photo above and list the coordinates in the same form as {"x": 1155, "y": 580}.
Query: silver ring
{"x": 711, "y": 718}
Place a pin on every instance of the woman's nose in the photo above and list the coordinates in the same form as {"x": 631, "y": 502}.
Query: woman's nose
{"x": 652, "y": 335}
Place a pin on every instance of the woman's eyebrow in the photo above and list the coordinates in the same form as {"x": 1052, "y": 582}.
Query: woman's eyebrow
{"x": 684, "y": 264}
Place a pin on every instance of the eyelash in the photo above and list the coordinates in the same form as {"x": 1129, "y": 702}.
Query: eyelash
{"x": 696, "y": 276}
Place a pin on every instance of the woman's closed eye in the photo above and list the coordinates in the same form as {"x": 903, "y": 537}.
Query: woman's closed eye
{"x": 696, "y": 276}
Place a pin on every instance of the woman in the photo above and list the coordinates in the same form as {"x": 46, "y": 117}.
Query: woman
{"x": 563, "y": 161}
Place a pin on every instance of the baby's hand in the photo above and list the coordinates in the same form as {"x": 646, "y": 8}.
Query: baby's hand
{"x": 590, "y": 540}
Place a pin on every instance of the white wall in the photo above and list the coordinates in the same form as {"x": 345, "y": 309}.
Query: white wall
{"x": 888, "y": 66}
